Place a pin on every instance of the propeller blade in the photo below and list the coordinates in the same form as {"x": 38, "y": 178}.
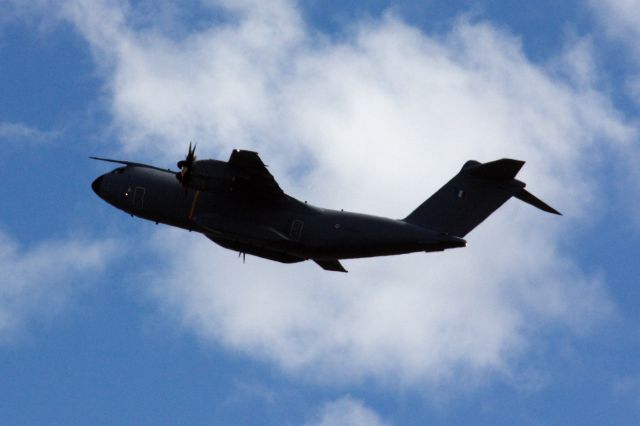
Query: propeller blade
{"x": 185, "y": 166}
{"x": 191, "y": 157}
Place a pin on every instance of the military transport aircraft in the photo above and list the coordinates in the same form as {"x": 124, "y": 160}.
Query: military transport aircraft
{"x": 238, "y": 205}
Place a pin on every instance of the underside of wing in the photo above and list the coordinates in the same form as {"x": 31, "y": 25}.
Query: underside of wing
{"x": 258, "y": 179}
{"x": 330, "y": 265}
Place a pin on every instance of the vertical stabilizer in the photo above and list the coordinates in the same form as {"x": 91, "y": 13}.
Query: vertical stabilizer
{"x": 471, "y": 196}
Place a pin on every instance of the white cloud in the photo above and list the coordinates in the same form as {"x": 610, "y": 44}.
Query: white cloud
{"x": 621, "y": 19}
{"x": 628, "y": 387}
{"x": 20, "y": 133}
{"x": 38, "y": 282}
{"x": 373, "y": 122}
{"x": 347, "y": 412}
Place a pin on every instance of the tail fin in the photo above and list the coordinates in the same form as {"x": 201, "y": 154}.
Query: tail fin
{"x": 472, "y": 195}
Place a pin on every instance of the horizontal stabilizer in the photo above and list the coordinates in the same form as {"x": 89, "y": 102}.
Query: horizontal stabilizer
{"x": 330, "y": 265}
{"x": 529, "y": 198}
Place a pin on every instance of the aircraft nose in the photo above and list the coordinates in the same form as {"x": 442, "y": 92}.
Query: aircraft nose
{"x": 96, "y": 185}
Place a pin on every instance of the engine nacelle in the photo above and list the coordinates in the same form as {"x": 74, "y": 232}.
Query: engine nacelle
{"x": 210, "y": 175}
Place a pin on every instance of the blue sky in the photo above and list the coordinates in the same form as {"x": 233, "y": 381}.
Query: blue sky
{"x": 109, "y": 319}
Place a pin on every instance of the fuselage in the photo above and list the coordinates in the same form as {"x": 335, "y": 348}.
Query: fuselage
{"x": 282, "y": 229}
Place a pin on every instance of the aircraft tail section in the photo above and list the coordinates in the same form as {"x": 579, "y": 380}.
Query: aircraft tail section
{"x": 472, "y": 195}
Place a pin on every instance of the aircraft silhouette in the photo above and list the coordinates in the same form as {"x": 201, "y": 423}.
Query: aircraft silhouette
{"x": 238, "y": 205}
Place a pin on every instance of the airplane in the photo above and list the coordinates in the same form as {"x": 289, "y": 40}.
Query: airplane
{"x": 238, "y": 205}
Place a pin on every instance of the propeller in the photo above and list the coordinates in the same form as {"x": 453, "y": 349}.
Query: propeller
{"x": 184, "y": 175}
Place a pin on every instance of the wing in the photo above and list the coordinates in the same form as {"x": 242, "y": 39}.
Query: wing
{"x": 330, "y": 265}
{"x": 128, "y": 163}
{"x": 258, "y": 179}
